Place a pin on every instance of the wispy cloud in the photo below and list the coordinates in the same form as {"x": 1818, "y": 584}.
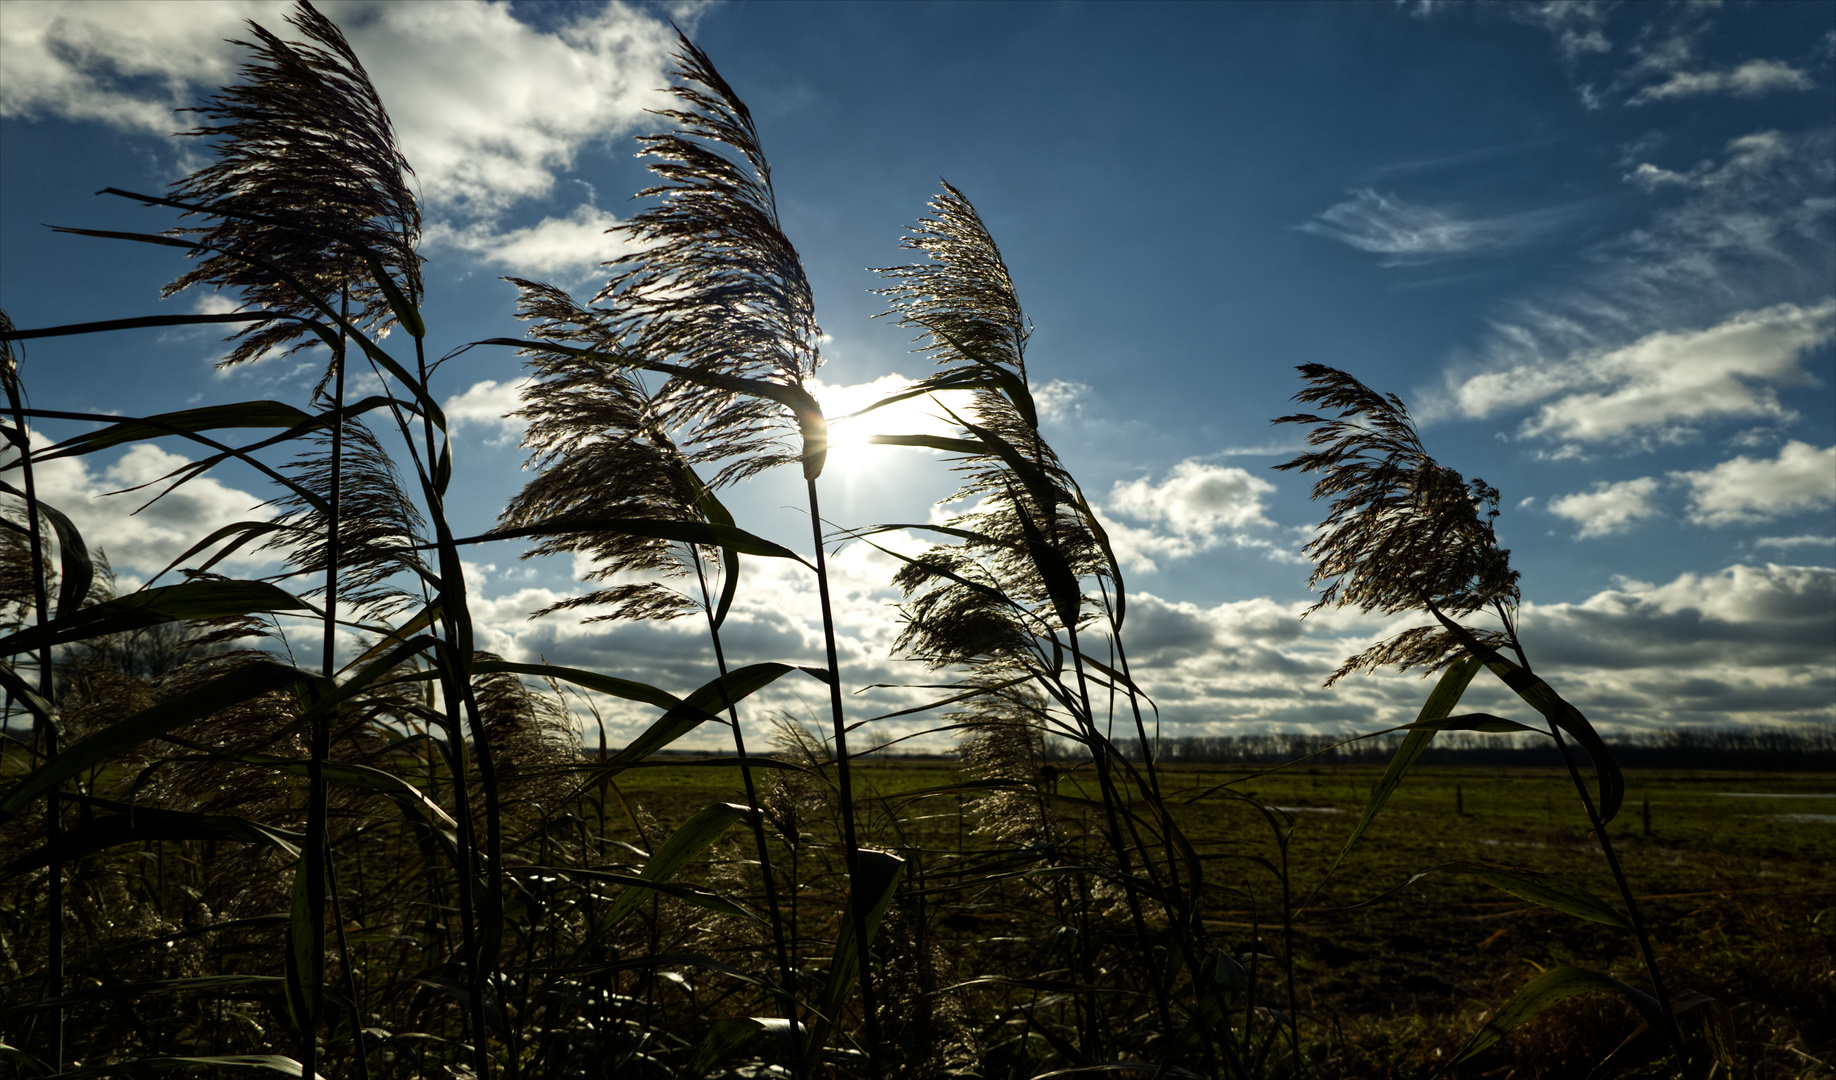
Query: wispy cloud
{"x": 1608, "y": 508}
{"x": 1578, "y": 26}
{"x": 1750, "y": 79}
{"x": 1744, "y": 489}
{"x": 1411, "y": 233}
{"x": 1662, "y": 387}
{"x": 1691, "y": 317}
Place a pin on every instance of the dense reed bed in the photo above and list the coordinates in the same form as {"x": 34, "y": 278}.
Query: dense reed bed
{"x": 393, "y": 860}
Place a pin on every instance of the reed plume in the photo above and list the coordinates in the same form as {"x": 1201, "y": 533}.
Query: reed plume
{"x": 308, "y": 179}
{"x": 716, "y": 287}
{"x": 1404, "y": 533}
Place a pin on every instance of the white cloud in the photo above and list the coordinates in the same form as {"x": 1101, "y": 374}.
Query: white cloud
{"x": 1608, "y": 508}
{"x": 487, "y": 108}
{"x": 1196, "y": 499}
{"x": 141, "y": 544}
{"x": 1202, "y": 506}
{"x": 125, "y": 63}
{"x": 1411, "y": 233}
{"x": 488, "y": 404}
{"x": 1058, "y": 399}
{"x": 565, "y": 250}
{"x": 1664, "y": 384}
{"x": 1744, "y": 489}
{"x": 1750, "y": 79}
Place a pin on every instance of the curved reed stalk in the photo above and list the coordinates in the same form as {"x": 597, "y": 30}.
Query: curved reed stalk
{"x": 44, "y": 728}
{"x": 1406, "y": 533}
{"x": 597, "y": 442}
{"x": 308, "y": 178}
{"x": 1008, "y": 600}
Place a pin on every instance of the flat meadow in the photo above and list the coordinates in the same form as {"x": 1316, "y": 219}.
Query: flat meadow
{"x": 1736, "y": 869}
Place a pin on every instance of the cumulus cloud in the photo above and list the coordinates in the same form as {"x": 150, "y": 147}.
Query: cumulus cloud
{"x": 488, "y": 109}
{"x": 566, "y": 250}
{"x": 1411, "y": 233}
{"x": 125, "y": 63}
{"x": 487, "y": 404}
{"x": 141, "y": 544}
{"x": 1058, "y": 399}
{"x": 1750, "y": 79}
{"x": 1747, "y": 644}
{"x": 1744, "y": 489}
{"x": 1608, "y": 508}
{"x": 1766, "y": 616}
{"x": 1197, "y": 507}
{"x": 1665, "y": 384}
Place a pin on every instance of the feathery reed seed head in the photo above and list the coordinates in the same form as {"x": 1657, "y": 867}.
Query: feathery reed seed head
{"x": 1404, "y": 533}
{"x": 308, "y": 178}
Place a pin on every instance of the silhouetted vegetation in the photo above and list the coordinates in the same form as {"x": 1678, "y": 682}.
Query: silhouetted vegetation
{"x": 394, "y": 859}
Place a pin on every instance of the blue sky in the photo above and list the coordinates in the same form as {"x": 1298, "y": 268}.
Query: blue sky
{"x": 1592, "y": 245}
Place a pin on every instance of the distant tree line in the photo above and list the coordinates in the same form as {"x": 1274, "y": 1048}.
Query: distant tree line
{"x": 1799, "y": 748}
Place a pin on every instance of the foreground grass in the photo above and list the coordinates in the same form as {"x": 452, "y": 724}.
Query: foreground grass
{"x": 1738, "y": 870}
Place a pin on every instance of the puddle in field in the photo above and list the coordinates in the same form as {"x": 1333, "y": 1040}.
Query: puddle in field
{"x": 1776, "y": 795}
{"x": 1310, "y": 809}
{"x": 1812, "y": 819}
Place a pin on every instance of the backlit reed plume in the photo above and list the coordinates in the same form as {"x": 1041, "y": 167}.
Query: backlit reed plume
{"x": 598, "y": 449}
{"x": 378, "y": 525}
{"x": 1405, "y": 533}
{"x": 601, "y": 453}
{"x": 1026, "y": 539}
{"x": 715, "y": 286}
{"x": 307, "y": 179}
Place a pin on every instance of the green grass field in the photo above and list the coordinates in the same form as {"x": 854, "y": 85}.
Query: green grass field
{"x": 1736, "y": 875}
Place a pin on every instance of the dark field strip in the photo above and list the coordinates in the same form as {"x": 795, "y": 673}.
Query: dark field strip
{"x": 1735, "y": 872}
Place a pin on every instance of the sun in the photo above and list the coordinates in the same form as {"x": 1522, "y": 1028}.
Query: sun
{"x": 851, "y": 430}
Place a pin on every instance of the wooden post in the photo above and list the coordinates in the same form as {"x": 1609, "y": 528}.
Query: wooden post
{"x": 1459, "y": 798}
{"x": 1645, "y": 812}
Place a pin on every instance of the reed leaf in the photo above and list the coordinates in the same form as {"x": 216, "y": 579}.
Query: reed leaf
{"x": 140, "y": 824}
{"x": 190, "y": 601}
{"x": 1551, "y": 988}
{"x": 693, "y": 837}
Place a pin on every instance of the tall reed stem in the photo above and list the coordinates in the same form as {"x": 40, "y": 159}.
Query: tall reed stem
{"x": 845, "y": 782}
{"x": 757, "y": 815}
{"x": 44, "y": 728}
